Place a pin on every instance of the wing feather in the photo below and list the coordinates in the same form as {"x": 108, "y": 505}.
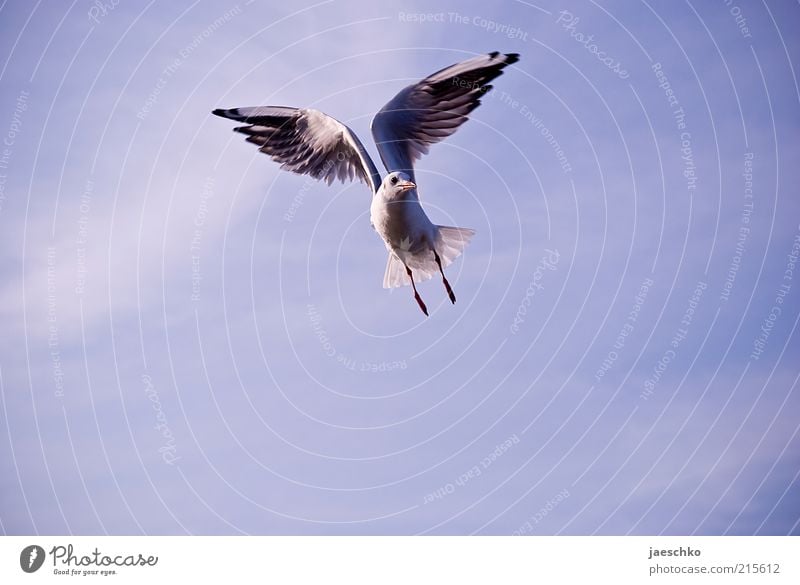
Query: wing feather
{"x": 306, "y": 141}
{"x": 432, "y": 109}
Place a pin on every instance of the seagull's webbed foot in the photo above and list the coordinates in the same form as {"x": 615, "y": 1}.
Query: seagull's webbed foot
{"x": 447, "y": 286}
{"x": 416, "y": 294}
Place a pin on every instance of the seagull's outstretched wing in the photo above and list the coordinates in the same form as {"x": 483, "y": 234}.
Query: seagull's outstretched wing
{"x": 432, "y": 109}
{"x": 306, "y": 141}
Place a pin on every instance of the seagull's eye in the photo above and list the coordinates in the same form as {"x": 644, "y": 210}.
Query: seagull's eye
{"x": 394, "y": 180}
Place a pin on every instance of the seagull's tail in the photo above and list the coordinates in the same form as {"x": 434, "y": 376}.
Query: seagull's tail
{"x": 450, "y": 243}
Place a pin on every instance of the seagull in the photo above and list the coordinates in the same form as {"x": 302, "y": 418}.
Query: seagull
{"x": 307, "y": 141}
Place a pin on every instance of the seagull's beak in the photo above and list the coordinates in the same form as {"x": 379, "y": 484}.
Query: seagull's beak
{"x": 406, "y": 185}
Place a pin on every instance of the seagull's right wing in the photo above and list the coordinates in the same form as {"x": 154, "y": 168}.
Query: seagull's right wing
{"x": 432, "y": 109}
{"x": 306, "y": 141}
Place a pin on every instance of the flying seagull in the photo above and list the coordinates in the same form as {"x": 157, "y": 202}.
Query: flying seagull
{"x": 307, "y": 141}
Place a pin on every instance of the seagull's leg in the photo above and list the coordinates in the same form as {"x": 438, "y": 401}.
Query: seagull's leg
{"x": 444, "y": 278}
{"x": 416, "y": 294}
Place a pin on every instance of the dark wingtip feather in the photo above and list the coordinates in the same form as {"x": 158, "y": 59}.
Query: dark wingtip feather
{"x": 220, "y": 112}
{"x": 507, "y": 58}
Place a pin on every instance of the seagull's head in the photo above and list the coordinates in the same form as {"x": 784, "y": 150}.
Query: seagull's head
{"x": 396, "y": 184}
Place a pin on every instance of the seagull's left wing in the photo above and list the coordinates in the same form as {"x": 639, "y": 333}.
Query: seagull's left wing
{"x": 432, "y": 109}
{"x": 306, "y": 141}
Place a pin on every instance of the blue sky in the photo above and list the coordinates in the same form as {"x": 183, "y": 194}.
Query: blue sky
{"x": 197, "y": 342}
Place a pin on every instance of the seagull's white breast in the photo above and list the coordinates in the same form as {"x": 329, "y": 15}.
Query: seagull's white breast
{"x": 402, "y": 223}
